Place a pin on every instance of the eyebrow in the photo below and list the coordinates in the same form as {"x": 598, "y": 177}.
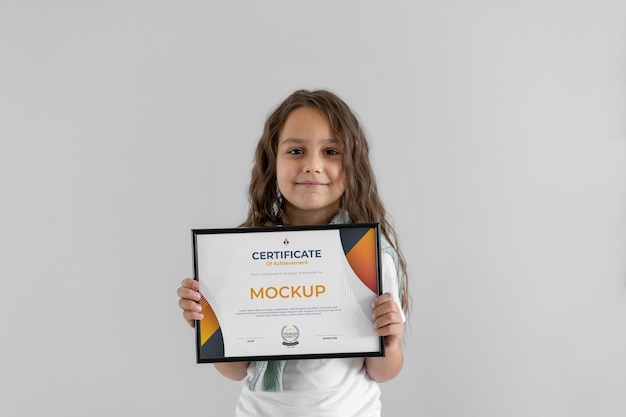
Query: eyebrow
{"x": 300, "y": 141}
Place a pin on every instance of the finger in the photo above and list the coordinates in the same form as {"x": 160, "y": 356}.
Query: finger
{"x": 190, "y": 283}
{"x": 382, "y": 299}
{"x": 387, "y": 314}
{"x": 389, "y": 307}
{"x": 387, "y": 320}
{"x": 191, "y": 317}
{"x": 189, "y": 305}
{"x": 394, "y": 330}
{"x": 188, "y": 294}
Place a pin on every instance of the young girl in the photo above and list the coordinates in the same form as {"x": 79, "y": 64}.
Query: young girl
{"x": 312, "y": 167}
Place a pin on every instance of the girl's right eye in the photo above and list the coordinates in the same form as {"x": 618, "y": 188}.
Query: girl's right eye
{"x": 295, "y": 151}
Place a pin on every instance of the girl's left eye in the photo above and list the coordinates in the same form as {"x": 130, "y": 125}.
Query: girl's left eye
{"x": 332, "y": 152}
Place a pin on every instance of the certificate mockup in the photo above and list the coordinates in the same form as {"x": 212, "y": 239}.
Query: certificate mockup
{"x": 287, "y": 292}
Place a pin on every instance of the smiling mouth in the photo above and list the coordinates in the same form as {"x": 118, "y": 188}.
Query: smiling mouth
{"x": 310, "y": 183}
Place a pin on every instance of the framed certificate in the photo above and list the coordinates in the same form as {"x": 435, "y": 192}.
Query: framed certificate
{"x": 287, "y": 292}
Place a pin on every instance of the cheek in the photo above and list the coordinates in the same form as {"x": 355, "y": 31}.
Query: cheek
{"x": 342, "y": 184}
{"x": 343, "y": 180}
{"x": 338, "y": 174}
{"x": 280, "y": 168}
{"x": 282, "y": 174}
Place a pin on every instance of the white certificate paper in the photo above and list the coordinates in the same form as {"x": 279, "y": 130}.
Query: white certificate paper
{"x": 287, "y": 292}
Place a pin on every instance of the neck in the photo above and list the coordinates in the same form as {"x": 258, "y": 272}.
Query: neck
{"x": 297, "y": 217}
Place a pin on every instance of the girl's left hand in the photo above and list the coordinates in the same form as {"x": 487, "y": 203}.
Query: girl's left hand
{"x": 388, "y": 320}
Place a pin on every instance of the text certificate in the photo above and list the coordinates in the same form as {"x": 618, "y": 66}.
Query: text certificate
{"x": 287, "y": 292}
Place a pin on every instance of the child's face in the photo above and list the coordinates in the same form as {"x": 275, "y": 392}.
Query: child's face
{"x": 309, "y": 168}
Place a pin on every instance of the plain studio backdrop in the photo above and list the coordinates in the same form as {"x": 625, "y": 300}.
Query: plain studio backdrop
{"x": 498, "y": 136}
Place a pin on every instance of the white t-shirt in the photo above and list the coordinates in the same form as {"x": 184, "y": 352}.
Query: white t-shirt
{"x": 337, "y": 387}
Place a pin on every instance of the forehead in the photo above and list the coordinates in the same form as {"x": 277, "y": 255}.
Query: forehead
{"x": 306, "y": 120}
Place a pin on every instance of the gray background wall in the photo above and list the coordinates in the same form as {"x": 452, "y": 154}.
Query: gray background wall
{"x": 498, "y": 137}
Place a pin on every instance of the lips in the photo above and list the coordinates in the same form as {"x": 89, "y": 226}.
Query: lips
{"x": 311, "y": 183}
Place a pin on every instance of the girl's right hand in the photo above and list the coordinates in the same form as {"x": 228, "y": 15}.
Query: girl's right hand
{"x": 189, "y": 293}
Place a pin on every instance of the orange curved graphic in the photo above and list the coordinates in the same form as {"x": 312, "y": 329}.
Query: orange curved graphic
{"x": 209, "y": 324}
{"x": 362, "y": 261}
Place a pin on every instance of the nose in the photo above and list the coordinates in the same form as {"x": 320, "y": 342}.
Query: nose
{"x": 313, "y": 163}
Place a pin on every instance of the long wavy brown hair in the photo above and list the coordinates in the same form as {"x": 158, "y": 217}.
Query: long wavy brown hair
{"x": 360, "y": 199}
